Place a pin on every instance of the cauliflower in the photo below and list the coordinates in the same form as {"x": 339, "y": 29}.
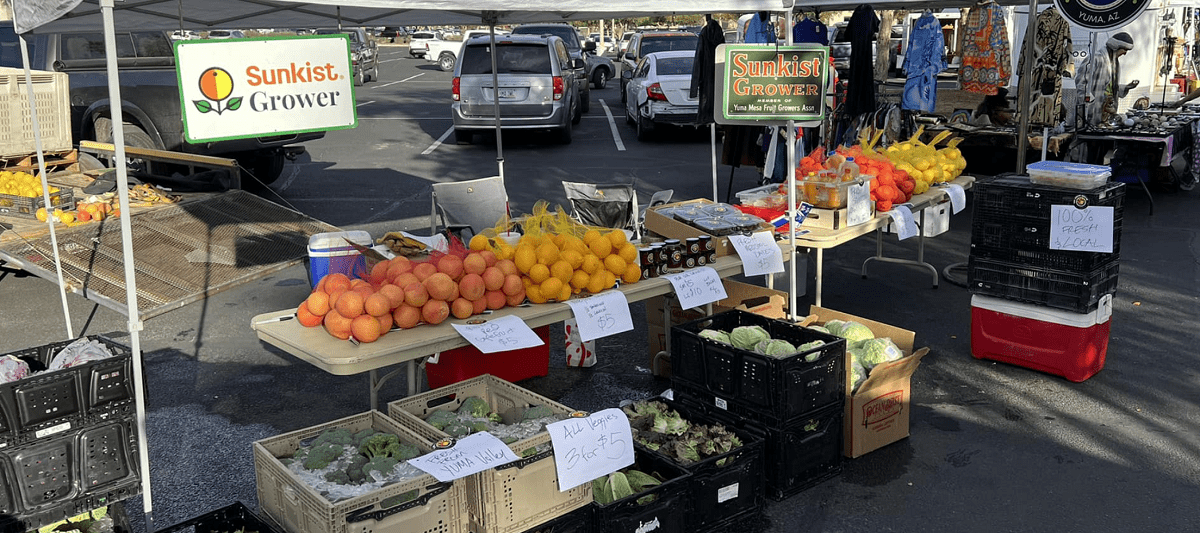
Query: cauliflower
{"x": 872, "y": 352}
{"x": 746, "y": 337}
{"x": 855, "y": 333}
{"x": 715, "y": 335}
{"x": 775, "y": 348}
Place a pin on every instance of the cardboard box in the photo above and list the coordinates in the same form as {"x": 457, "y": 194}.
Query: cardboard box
{"x": 673, "y": 229}
{"x": 878, "y": 414}
{"x": 759, "y": 300}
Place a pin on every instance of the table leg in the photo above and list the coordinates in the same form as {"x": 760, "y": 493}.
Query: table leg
{"x": 820, "y": 273}
{"x": 920, "y": 262}
{"x": 377, "y": 382}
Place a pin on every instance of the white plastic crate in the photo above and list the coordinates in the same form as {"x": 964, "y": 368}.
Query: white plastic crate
{"x": 51, "y": 94}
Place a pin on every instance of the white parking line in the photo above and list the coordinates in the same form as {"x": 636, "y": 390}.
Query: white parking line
{"x": 364, "y": 103}
{"x": 438, "y": 142}
{"x": 395, "y": 82}
{"x": 389, "y": 60}
{"x": 612, "y": 125}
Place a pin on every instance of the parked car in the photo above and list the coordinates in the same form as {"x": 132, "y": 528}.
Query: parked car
{"x": 445, "y": 51}
{"x": 534, "y": 90}
{"x": 416, "y": 45}
{"x": 363, "y": 57}
{"x": 182, "y": 35}
{"x": 600, "y": 69}
{"x": 391, "y": 33}
{"x": 226, "y": 34}
{"x": 649, "y": 42}
{"x": 575, "y": 48}
{"x": 656, "y": 92}
{"x": 839, "y": 48}
{"x": 624, "y": 44}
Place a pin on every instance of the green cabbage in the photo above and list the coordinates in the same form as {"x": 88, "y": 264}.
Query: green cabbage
{"x": 747, "y": 337}
{"x": 811, "y": 346}
{"x": 855, "y": 333}
{"x": 858, "y": 374}
{"x": 818, "y": 328}
{"x": 873, "y": 352}
{"x": 834, "y": 327}
{"x": 716, "y": 335}
{"x": 775, "y": 348}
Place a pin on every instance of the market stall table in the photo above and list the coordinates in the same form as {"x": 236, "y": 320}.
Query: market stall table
{"x": 1169, "y": 150}
{"x": 341, "y": 358}
{"x": 822, "y": 238}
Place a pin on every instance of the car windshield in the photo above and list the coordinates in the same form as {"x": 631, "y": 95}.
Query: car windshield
{"x": 562, "y": 31}
{"x": 218, "y": 33}
{"x": 665, "y": 44}
{"x": 353, "y": 34}
{"x": 513, "y": 59}
{"x": 422, "y": 35}
{"x": 674, "y": 66}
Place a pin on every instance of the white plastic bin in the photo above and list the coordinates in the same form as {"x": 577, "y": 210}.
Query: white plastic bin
{"x": 1069, "y": 175}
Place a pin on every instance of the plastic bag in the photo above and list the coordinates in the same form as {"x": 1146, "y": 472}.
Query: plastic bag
{"x": 12, "y": 369}
{"x": 77, "y": 353}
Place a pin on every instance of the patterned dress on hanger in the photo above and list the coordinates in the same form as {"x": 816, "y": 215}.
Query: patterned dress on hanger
{"x": 1051, "y": 58}
{"x": 986, "y": 62}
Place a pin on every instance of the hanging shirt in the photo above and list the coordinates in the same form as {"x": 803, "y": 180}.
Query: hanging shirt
{"x": 986, "y": 58}
{"x": 1051, "y": 59}
{"x": 810, "y": 31}
{"x": 759, "y": 31}
{"x": 860, "y": 96}
{"x": 703, "y": 70}
{"x": 922, "y": 63}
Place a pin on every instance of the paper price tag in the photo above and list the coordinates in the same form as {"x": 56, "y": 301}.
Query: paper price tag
{"x": 760, "y": 255}
{"x": 602, "y": 315}
{"x": 905, "y": 225}
{"x": 1082, "y": 230}
{"x": 697, "y": 287}
{"x": 470, "y": 455}
{"x": 958, "y": 197}
{"x": 499, "y": 335}
{"x": 858, "y": 204}
{"x": 587, "y": 448}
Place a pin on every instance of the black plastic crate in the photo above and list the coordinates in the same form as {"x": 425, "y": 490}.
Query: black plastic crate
{"x": 752, "y": 521}
{"x": 1007, "y": 197}
{"x": 232, "y": 518}
{"x": 774, "y": 388}
{"x": 668, "y": 511}
{"x": 51, "y": 403}
{"x": 1070, "y": 291}
{"x": 1028, "y": 242}
{"x": 723, "y": 485}
{"x": 577, "y": 521}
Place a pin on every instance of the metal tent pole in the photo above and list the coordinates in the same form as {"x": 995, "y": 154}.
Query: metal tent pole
{"x": 132, "y": 313}
{"x": 1025, "y": 87}
{"x": 490, "y": 19}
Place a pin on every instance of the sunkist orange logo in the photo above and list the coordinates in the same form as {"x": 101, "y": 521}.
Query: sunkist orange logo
{"x": 217, "y": 85}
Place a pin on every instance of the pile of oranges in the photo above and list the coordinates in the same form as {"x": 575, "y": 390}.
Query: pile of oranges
{"x": 557, "y": 266}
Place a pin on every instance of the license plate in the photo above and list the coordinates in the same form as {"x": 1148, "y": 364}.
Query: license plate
{"x": 507, "y": 94}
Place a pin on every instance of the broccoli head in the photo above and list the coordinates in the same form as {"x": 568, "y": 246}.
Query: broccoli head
{"x": 362, "y": 436}
{"x": 320, "y": 456}
{"x": 457, "y": 429}
{"x": 338, "y": 476}
{"x": 381, "y": 464}
{"x": 334, "y": 436}
{"x": 379, "y": 444}
{"x": 475, "y": 407}
{"x": 536, "y": 412}
{"x": 405, "y": 451}
{"x": 355, "y": 469}
{"x": 440, "y": 419}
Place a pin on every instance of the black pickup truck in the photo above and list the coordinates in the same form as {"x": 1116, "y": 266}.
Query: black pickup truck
{"x": 150, "y": 91}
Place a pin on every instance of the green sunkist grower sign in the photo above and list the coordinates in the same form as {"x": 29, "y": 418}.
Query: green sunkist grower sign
{"x": 775, "y": 83}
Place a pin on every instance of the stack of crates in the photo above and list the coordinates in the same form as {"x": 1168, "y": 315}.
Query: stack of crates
{"x": 1026, "y": 297}
{"x": 795, "y": 403}
{"x": 68, "y": 438}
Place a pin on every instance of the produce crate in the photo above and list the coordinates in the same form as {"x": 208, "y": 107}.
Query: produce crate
{"x": 751, "y": 521}
{"x": 513, "y": 497}
{"x": 52, "y": 98}
{"x": 1028, "y": 242}
{"x": 577, "y": 521}
{"x": 50, "y": 403}
{"x": 419, "y": 504}
{"x": 752, "y": 384}
{"x": 232, "y": 518}
{"x": 1070, "y": 291}
{"x": 60, "y": 477}
{"x": 1008, "y": 197}
{"x": 26, "y": 207}
{"x": 723, "y": 485}
{"x": 669, "y": 510}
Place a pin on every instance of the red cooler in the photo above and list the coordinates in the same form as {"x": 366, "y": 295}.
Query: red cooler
{"x": 461, "y": 364}
{"x": 1071, "y": 345}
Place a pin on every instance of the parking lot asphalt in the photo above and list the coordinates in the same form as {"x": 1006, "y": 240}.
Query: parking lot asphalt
{"x": 993, "y": 447}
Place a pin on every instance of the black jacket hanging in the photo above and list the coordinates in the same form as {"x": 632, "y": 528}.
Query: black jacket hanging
{"x": 704, "y": 68}
{"x": 860, "y": 97}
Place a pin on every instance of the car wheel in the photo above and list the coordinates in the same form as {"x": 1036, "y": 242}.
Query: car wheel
{"x": 564, "y": 134}
{"x": 628, "y": 117}
{"x": 623, "y": 86}
{"x": 359, "y": 78}
{"x": 585, "y": 100}
{"x": 134, "y": 136}
{"x": 644, "y": 128}
{"x": 578, "y": 114}
{"x": 264, "y": 168}
{"x": 463, "y": 136}
{"x": 446, "y": 62}
{"x": 600, "y": 78}
{"x": 375, "y": 72}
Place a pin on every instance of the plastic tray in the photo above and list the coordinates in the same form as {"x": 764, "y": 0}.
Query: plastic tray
{"x": 668, "y": 512}
{"x": 229, "y": 519}
{"x": 419, "y": 504}
{"x": 767, "y": 389}
{"x": 1070, "y": 291}
{"x": 767, "y": 196}
{"x": 1068, "y": 175}
{"x": 26, "y": 207}
{"x": 516, "y": 496}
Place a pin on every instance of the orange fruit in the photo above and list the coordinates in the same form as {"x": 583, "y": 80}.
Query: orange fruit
{"x": 336, "y": 282}
{"x": 596, "y": 282}
{"x": 628, "y": 252}
{"x": 614, "y": 264}
{"x": 564, "y": 294}
{"x": 558, "y": 239}
{"x": 495, "y": 300}
{"x": 379, "y": 272}
{"x": 489, "y": 257}
{"x": 349, "y": 305}
{"x": 539, "y": 273}
{"x": 472, "y": 287}
{"x": 552, "y": 287}
{"x": 507, "y": 267}
{"x": 462, "y": 308}
{"x": 601, "y": 247}
{"x": 513, "y": 285}
{"x": 306, "y": 318}
{"x": 617, "y": 238}
{"x": 406, "y": 316}
{"x": 562, "y": 270}
{"x": 377, "y": 305}
{"x": 591, "y": 236}
{"x": 451, "y": 265}
{"x": 337, "y": 325}
{"x": 441, "y": 287}
{"x": 493, "y": 279}
{"x": 415, "y": 294}
{"x": 591, "y": 264}
{"x": 423, "y": 270}
{"x": 610, "y": 279}
{"x": 365, "y": 328}
{"x": 435, "y": 312}
{"x": 474, "y": 263}
{"x": 385, "y": 323}
{"x": 579, "y": 279}
{"x": 478, "y": 242}
{"x": 318, "y": 303}
{"x": 398, "y": 265}
{"x": 572, "y": 257}
{"x": 524, "y": 258}
{"x": 515, "y": 299}
{"x": 547, "y": 254}
{"x": 633, "y": 274}
{"x": 394, "y": 294}
{"x": 534, "y": 294}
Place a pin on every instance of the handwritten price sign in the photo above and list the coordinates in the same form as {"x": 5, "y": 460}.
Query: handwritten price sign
{"x": 602, "y": 315}
{"x": 587, "y": 448}
{"x": 1082, "y": 230}
{"x": 499, "y": 335}
{"x": 470, "y": 455}
{"x": 905, "y": 225}
{"x": 697, "y": 287}
{"x": 760, "y": 255}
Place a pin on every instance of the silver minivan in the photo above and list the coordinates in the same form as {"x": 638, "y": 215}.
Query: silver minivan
{"x": 535, "y": 89}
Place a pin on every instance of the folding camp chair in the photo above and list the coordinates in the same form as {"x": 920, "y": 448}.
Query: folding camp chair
{"x": 605, "y": 206}
{"x": 475, "y": 204}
